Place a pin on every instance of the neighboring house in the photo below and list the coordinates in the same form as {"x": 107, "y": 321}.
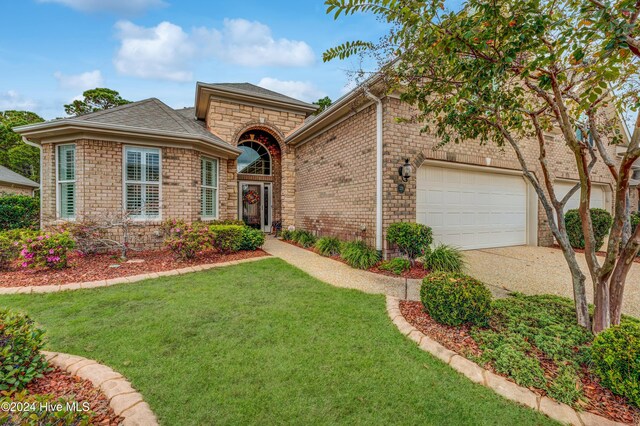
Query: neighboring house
{"x": 14, "y": 183}
{"x": 250, "y": 153}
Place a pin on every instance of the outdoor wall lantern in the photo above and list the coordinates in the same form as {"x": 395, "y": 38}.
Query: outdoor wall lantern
{"x": 404, "y": 172}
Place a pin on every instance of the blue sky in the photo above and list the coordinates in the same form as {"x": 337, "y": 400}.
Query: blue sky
{"x": 53, "y": 50}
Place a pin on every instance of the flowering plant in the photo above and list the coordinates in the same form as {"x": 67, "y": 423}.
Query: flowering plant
{"x": 186, "y": 241}
{"x": 50, "y": 250}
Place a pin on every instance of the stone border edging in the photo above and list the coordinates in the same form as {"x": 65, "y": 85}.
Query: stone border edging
{"x": 505, "y": 388}
{"x": 123, "y": 398}
{"x": 122, "y": 280}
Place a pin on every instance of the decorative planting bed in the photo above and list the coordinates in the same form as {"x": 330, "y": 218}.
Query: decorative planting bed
{"x": 105, "y": 266}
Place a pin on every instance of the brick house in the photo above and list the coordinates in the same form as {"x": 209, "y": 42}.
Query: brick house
{"x": 249, "y": 153}
{"x": 14, "y": 183}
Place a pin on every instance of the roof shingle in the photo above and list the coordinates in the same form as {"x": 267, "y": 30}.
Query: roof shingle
{"x": 10, "y": 176}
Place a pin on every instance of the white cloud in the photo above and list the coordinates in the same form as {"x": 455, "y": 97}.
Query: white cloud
{"x": 125, "y": 7}
{"x": 166, "y": 51}
{"x": 302, "y": 90}
{"x": 163, "y": 51}
{"x": 13, "y": 100}
{"x": 82, "y": 82}
{"x": 251, "y": 44}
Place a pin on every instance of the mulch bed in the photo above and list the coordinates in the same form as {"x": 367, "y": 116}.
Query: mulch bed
{"x": 417, "y": 271}
{"x": 61, "y": 384}
{"x": 598, "y": 253}
{"x": 102, "y": 267}
{"x": 599, "y": 400}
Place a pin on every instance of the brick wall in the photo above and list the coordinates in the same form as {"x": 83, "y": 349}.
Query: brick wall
{"x": 99, "y": 186}
{"x": 335, "y": 180}
{"x": 9, "y": 188}
{"x": 230, "y": 120}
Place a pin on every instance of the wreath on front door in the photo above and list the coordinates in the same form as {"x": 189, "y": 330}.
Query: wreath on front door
{"x": 251, "y": 197}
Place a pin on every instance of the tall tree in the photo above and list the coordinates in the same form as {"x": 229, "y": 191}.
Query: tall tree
{"x": 14, "y": 153}
{"x": 323, "y": 103}
{"x": 506, "y": 72}
{"x": 95, "y": 100}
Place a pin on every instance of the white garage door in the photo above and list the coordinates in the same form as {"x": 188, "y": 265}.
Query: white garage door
{"x": 472, "y": 209}
{"x": 598, "y": 197}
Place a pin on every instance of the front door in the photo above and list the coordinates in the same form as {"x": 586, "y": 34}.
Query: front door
{"x": 255, "y": 204}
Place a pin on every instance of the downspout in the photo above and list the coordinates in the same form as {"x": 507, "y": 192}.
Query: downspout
{"x": 378, "y": 102}
{"x": 28, "y": 142}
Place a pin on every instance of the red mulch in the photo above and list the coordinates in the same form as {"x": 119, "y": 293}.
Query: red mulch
{"x": 61, "y": 384}
{"x": 417, "y": 271}
{"x": 599, "y": 400}
{"x": 98, "y": 267}
{"x": 599, "y": 253}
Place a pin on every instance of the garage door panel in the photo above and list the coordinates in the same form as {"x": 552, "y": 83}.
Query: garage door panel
{"x": 598, "y": 197}
{"x": 472, "y": 209}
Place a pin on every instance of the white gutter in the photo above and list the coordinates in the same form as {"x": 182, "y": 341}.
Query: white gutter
{"x": 378, "y": 167}
{"x": 28, "y": 142}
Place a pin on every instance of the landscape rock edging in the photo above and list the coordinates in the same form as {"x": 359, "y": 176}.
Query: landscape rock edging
{"x": 125, "y": 401}
{"x": 500, "y": 385}
{"x": 122, "y": 280}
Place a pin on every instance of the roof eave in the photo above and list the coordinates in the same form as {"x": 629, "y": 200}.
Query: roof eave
{"x": 204, "y": 91}
{"x": 40, "y": 131}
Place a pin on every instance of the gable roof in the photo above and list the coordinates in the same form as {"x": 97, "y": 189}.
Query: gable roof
{"x": 149, "y": 117}
{"x": 249, "y": 93}
{"x": 10, "y": 176}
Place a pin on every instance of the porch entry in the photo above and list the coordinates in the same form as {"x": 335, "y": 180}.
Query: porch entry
{"x": 255, "y": 204}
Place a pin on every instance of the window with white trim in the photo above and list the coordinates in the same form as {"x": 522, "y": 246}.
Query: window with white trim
{"x": 66, "y": 175}
{"x": 142, "y": 182}
{"x": 209, "y": 169}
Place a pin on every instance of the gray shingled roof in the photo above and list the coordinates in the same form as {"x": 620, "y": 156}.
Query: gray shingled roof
{"x": 252, "y": 89}
{"x": 151, "y": 114}
{"x": 10, "y": 176}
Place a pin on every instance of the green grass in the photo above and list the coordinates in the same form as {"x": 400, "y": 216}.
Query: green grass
{"x": 263, "y": 343}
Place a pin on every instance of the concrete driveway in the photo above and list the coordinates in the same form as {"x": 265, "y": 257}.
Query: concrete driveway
{"x": 540, "y": 270}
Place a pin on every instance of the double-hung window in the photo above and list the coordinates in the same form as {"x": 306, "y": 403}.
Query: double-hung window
{"x": 142, "y": 182}
{"x": 209, "y": 180}
{"x": 66, "y": 185}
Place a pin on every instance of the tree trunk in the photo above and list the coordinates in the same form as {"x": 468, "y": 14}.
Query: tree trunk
{"x": 580, "y": 297}
{"x": 602, "y": 312}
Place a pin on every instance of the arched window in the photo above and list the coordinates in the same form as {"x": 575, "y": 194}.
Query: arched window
{"x": 254, "y": 160}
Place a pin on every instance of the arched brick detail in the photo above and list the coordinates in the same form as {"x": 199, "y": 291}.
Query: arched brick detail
{"x": 265, "y": 127}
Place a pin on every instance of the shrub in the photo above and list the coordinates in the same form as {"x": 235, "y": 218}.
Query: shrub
{"x": 616, "y": 360}
{"x": 88, "y": 235}
{"x": 173, "y": 227}
{"x": 227, "y": 222}
{"x": 601, "y": 220}
{"x": 35, "y": 411}
{"x": 328, "y": 246}
{"x": 396, "y": 265}
{"x": 19, "y": 211}
{"x": 305, "y": 238}
{"x": 50, "y": 250}
{"x": 252, "y": 239}
{"x": 455, "y": 299}
{"x": 286, "y": 235}
{"x": 444, "y": 258}
{"x": 188, "y": 242}
{"x": 226, "y": 238}
{"x": 9, "y": 251}
{"x": 412, "y": 239}
{"x": 20, "y": 357}
{"x": 359, "y": 255}
{"x": 635, "y": 220}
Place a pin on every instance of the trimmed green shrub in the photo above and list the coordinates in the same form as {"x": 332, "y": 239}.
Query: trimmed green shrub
{"x": 305, "y": 238}
{"x": 359, "y": 255}
{"x": 328, "y": 246}
{"x": 455, "y": 299}
{"x": 35, "y": 411}
{"x": 226, "y": 222}
{"x": 616, "y": 360}
{"x": 286, "y": 235}
{"x": 635, "y": 220}
{"x": 19, "y": 211}
{"x": 188, "y": 241}
{"x": 50, "y": 250}
{"x": 396, "y": 265}
{"x": 227, "y": 238}
{"x": 252, "y": 239}
{"x": 20, "y": 357}
{"x": 444, "y": 258}
{"x": 601, "y": 220}
{"x": 412, "y": 239}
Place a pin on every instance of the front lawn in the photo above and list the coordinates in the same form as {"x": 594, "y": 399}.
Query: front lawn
{"x": 263, "y": 343}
